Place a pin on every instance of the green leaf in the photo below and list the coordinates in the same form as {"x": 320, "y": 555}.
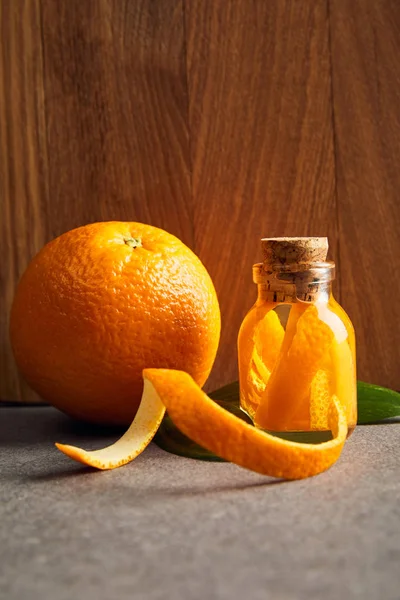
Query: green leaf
{"x": 169, "y": 438}
{"x": 375, "y": 404}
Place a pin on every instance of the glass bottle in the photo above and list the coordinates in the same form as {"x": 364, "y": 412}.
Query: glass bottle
{"x": 296, "y": 344}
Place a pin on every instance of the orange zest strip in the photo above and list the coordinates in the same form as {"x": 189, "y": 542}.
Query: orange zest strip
{"x": 252, "y": 383}
{"x": 258, "y": 369}
{"x": 132, "y": 443}
{"x": 319, "y": 400}
{"x": 345, "y": 386}
{"x": 214, "y": 428}
{"x": 290, "y": 382}
{"x": 268, "y": 338}
{"x": 209, "y": 425}
{"x": 281, "y": 339}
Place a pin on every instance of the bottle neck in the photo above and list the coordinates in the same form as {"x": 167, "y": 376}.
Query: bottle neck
{"x": 308, "y": 283}
{"x": 292, "y": 293}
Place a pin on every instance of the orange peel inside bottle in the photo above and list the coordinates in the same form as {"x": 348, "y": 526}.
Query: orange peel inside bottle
{"x": 338, "y": 377}
{"x": 308, "y": 341}
{"x": 267, "y": 341}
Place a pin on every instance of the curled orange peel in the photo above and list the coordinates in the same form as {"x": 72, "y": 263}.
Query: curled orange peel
{"x": 319, "y": 400}
{"x": 206, "y": 423}
{"x": 139, "y": 435}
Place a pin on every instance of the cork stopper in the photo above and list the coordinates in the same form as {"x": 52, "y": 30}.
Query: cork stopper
{"x": 293, "y": 269}
{"x": 283, "y": 252}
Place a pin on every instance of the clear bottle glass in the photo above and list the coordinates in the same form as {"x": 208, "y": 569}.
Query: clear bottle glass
{"x": 296, "y": 344}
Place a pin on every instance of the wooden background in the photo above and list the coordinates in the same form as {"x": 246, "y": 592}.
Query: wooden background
{"x": 221, "y": 121}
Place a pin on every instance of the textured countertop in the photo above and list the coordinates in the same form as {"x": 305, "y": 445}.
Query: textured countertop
{"x": 175, "y": 528}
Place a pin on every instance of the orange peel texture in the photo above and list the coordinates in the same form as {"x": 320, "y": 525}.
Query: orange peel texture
{"x": 102, "y": 302}
{"x": 345, "y": 386}
{"x": 214, "y": 428}
{"x": 319, "y": 400}
{"x": 289, "y": 384}
{"x": 252, "y": 384}
{"x": 207, "y": 424}
{"x": 268, "y": 338}
{"x": 132, "y": 443}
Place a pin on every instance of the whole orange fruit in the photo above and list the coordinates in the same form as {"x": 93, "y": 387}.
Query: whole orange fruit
{"x": 102, "y": 302}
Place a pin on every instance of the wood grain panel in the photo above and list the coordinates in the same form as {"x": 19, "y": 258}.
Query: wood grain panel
{"x": 366, "y": 84}
{"x": 94, "y": 126}
{"x": 213, "y": 120}
{"x": 261, "y": 139}
{"x": 23, "y": 163}
{"x": 116, "y": 105}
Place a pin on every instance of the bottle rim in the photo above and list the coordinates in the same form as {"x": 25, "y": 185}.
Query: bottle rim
{"x": 297, "y": 273}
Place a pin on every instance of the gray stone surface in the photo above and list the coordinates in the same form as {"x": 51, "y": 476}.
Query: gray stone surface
{"x": 170, "y": 527}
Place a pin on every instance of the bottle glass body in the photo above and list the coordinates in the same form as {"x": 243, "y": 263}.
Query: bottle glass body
{"x": 296, "y": 350}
